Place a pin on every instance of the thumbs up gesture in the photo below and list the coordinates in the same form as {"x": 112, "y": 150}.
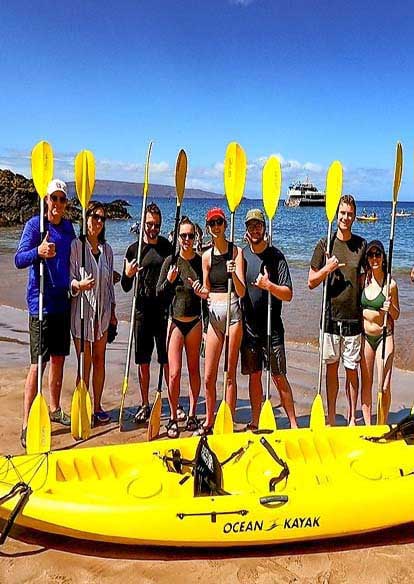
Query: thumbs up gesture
{"x": 262, "y": 280}
{"x": 47, "y": 248}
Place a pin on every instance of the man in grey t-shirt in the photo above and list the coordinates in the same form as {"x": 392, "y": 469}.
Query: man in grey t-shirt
{"x": 343, "y": 325}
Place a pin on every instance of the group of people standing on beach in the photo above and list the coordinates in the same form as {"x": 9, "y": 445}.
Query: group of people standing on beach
{"x": 182, "y": 305}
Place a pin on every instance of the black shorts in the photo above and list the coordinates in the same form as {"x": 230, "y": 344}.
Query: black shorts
{"x": 254, "y": 355}
{"x": 150, "y": 328}
{"x": 55, "y": 336}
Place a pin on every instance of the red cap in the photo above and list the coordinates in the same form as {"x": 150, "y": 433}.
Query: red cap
{"x": 215, "y": 212}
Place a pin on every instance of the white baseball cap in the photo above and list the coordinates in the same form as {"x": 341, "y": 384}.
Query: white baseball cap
{"x": 57, "y": 185}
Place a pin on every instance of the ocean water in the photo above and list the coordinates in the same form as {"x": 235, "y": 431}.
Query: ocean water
{"x": 295, "y": 232}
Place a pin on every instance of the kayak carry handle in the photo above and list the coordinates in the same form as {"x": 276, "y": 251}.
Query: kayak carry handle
{"x": 273, "y": 499}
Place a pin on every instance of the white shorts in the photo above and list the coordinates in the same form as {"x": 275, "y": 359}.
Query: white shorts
{"x": 337, "y": 346}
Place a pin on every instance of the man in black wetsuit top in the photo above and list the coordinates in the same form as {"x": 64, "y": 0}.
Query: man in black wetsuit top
{"x": 266, "y": 271}
{"x": 150, "y": 315}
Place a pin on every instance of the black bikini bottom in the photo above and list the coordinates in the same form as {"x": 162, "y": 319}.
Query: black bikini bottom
{"x": 185, "y": 327}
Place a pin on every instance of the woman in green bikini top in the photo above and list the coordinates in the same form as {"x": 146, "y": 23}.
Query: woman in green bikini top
{"x": 375, "y": 305}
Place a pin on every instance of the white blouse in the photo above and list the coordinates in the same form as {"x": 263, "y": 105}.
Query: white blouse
{"x": 98, "y": 300}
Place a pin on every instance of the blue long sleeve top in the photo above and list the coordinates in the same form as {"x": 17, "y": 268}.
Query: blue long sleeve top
{"x": 57, "y": 269}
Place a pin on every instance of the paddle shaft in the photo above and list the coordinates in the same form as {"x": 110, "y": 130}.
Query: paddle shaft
{"x": 323, "y": 318}
{"x": 229, "y": 286}
{"x": 81, "y": 361}
{"x": 387, "y": 289}
{"x": 135, "y": 294}
{"x": 269, "y": 323}
{"x": 41, "y": 297}
{"x": 175, "y": 235}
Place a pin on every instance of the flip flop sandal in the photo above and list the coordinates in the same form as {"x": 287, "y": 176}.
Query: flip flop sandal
{"x": 192, "y": 424}
{"x": 203, "y": 430}
{"x": 181, "y": 415}
{"x": 172, "y": 429}
{"x": 143, "y": 414}
{"x": 251, "y": 427}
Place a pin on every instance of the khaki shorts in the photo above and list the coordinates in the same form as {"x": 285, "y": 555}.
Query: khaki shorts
{"x": 337, "y": 346}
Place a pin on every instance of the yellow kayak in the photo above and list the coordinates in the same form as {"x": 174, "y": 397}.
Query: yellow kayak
{"x": 234, "y": 489}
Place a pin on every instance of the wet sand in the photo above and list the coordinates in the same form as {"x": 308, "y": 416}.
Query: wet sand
{"x": 31, "y": 557}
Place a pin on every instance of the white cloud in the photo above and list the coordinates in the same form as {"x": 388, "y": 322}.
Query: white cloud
{"x": 242, "y": 2}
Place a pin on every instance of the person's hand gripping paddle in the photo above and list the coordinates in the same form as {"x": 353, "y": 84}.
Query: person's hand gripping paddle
{"x": 383, "y": 402}
{"x": 271, "y": 184}
{"x": 333, "y": 194}
{"x": 180, "y": 176}
{"x": 235, "y": 166}
{"x": 38, "y": 433}
{"x": 81, "y": 409}
{"x": 134, "y": 298}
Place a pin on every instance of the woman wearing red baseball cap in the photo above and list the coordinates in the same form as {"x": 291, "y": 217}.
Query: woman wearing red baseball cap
{"x": 223, "y": 258}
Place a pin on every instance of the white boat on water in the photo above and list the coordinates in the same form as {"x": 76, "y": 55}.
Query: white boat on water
{"x": 304, "y": 194}
{"x": 403, "y": 213}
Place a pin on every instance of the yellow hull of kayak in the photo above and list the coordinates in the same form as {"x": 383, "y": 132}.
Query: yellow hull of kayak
{"x": 339, "y": 484}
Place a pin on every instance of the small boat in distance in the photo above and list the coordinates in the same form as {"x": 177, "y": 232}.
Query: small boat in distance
{"x": 403, "y": 213}
{"x": 372, "y": 217}
{"x": 304, "y": 194}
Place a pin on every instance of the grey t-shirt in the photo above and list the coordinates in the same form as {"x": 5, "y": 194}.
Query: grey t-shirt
{"x": 343, "y": 295}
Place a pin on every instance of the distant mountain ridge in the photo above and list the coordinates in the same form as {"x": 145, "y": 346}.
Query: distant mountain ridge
{"x": 121, "y": 189}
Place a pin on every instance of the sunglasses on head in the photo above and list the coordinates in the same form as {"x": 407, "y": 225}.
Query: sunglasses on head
{"x": 152, "y": 225}
{"x": 56, "y": 198}
{"x": 219, "y": 221}
{"x": 374, "y": 254}
{"x": 97, "y": 217}
{"x": 187, "y": 235}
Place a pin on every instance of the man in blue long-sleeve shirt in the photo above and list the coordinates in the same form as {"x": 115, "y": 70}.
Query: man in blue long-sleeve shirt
{"x": 55, "y": 250}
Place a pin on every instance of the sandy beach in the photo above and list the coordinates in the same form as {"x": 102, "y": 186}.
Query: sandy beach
{"x": 32, "y": 557}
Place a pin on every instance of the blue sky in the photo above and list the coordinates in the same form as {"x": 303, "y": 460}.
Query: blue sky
{"x": 308, "y": 81}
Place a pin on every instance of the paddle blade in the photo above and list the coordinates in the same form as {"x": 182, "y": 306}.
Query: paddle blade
{"x": 333, "y": 189}
{"x": 235, "y": 165}
{"x": 271, "y": 184}
{"x": 38, "y": 435}
{"x": 42, "y": 167}
{"x": 146, "y": 173}
{"x": 397, "y": 171}
{"x": 155, "y": 418}
{"x": 81, "y": 412}
{"x": 180, "y": 175}
{"x": 224, "y": 420}
{"x": 381, "y": 413}
{"x": 267, "y": 419}
{"x": 317, "y": 415}
{"x": 84, "y": 176}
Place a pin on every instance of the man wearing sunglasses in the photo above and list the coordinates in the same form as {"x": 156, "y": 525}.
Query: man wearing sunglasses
{"x": 150, "y": 315}
{"x": 341, "y": 269}
{"x": 55, "y": 251}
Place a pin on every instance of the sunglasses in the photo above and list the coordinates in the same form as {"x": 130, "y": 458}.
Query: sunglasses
{"x": 374, "y": 254}
{"x": 152, "y": 225}
{"x": 56, "y": 198}
{"x": 187, "y": 236}
{"x": 97, "y": 217}
{"x": 213, "y": 222}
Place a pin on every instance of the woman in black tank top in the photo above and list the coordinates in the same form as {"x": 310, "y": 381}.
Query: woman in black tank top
{"x": 179, "y": 285}
{"x": 223, "y": 258}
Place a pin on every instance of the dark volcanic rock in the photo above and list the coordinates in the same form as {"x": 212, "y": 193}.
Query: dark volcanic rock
{"x": 19, "y": 201}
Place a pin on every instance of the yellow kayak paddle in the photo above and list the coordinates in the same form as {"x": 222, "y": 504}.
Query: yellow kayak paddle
{"x": 180, "y": 177}
{"x": 333, "y": 194}
{"x": 38, "y": 433}
{"x": 81, "y": 409}
{"x": 134, "y": 298}
{"x": 384, "y": 401}
{"x": 235, "y": 167}
{"x": 271, "y": 186}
